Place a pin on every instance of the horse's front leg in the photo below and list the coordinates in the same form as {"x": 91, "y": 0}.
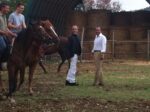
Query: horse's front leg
{"x": 12, "y": 76}
{"x": 2, "y": 89}
{"x": 1, "y": 84}
{"x": 22, "y": 73}
{"x": 31, "y": 71}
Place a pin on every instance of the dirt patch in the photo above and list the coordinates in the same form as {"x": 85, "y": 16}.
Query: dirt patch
{"x": 78, "y": 105}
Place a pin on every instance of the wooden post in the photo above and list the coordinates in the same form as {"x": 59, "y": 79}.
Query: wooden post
{"x": 148, "y": 44}
{"x": 82, "y": 39}
{"x": 113, "y": 46}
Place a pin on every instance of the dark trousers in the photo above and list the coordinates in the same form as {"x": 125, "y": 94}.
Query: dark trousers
{"x": 3, "y": 45}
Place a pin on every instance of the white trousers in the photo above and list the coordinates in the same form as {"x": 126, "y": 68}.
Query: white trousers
{"x": 73, "y": 69}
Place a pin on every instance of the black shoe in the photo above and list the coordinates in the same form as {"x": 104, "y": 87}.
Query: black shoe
{"x": 71, "y": 84}
{"x": 99, "y": 84}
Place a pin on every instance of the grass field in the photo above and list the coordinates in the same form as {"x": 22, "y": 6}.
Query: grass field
{"x": 127, "y": 89}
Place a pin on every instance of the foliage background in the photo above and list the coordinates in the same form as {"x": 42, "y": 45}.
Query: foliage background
{"x": 13, "y": 3}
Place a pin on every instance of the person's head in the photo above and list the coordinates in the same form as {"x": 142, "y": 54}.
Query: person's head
{"x": 4, "y": 8}
{"x": 75, "y": 29}
{"x": 98, "y": 30}
{"x": 20, "y": 7}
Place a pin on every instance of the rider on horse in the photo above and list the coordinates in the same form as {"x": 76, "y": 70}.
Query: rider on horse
{"x": 5, "y": 33}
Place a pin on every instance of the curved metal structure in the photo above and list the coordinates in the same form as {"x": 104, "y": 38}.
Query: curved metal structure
{"x": 54, "y": 10}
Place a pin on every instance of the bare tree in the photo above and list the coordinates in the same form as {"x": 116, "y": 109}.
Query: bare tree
{"x": 88, "y": 4}
{"x": 115, "y": 6}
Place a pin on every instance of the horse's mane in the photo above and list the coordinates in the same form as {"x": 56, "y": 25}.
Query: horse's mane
{"x": 24, "y": 34}
{"x": 23, "y": 39}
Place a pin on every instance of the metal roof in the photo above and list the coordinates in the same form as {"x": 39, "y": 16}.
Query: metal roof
{"x": 55, "y": 10}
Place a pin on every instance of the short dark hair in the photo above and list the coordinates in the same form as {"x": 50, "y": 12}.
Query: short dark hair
{"x": 19, "y": 4}
{"x": 3, "y": 4}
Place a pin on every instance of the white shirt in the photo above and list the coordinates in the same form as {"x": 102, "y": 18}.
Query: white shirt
{"x": 16, "y": 19}
{"x": 100, "y": 43}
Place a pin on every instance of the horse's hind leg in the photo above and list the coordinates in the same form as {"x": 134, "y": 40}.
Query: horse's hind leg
{"x": 2, "y": 89}
{"x": 22, "y": 73}
{"x": 31, "y": 71}
{"x": 42, "y": 66}
{"x": 59, "y": 67}
{"x": 12, "y": 81}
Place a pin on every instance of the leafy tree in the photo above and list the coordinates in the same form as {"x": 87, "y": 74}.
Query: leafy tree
{"x": 13, "y": 3}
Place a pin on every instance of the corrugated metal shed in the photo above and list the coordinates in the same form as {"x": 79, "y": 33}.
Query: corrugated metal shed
{"x": 55, "y": 10}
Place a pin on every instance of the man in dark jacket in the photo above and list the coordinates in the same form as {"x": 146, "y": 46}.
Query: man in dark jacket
{"x": 74, "y": 50}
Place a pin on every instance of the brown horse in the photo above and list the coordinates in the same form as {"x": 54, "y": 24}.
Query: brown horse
{"x": 60, "y": 49}
{"x": 27, "y": 51}
{"x": 50, "y": 30}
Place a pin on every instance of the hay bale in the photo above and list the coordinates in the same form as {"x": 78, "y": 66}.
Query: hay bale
{"x": 121, "y": 19}
{"x": 141, "y": 49}
{"x": 120, "y": 33}
{"x": 89, "y": 34}
{"x": 87, "y": 56}
{"x": 87, "y": 47}
{"x": 98, "y": 18}
{"x": 76, "y": 18}
{"x": 124, "y": 50}
{"x": 138, "y": 33}
{"x": 109, "y": 47}
{"x": 140, "y": 18}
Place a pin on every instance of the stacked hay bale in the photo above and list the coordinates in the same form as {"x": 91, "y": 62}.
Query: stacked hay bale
{"x": 138, "y": 32}
{"x": 75, "y": 18}
{"x": 121, "y": 19}
{"x": 120, "y": 30}
{"x": 122, "y": 48}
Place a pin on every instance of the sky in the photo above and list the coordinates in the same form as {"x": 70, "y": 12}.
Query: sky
{"x": 130, "y": 5}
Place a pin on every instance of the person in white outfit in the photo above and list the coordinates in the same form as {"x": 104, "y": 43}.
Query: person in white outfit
{"x": 74, "y": 50}
{"x": 99, "y": 50}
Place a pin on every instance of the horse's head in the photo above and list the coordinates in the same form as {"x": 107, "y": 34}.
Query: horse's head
{"x": 40, "y": 32}
{"x": 50, "y": 30}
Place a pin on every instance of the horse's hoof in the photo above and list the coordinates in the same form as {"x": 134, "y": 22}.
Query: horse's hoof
{"x": 3, "y": 90}
{"x": 45, "y": 72}
{"x": 18, "y": 88}
{"x": 12, "y": 100}
{"x": 2, "y": 97}
{"x": 31, "y": 93}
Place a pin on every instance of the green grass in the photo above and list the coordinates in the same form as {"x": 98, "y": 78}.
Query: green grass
{"x": 122, "y": 82}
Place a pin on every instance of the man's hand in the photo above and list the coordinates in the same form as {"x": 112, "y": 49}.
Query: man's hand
{"x": 19, "y": 27}
{"x": 10, "y": 34}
